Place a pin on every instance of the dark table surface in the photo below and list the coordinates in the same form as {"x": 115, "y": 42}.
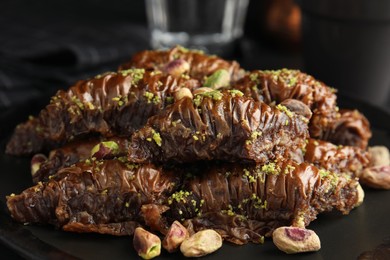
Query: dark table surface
{"x": 47, "y": 45}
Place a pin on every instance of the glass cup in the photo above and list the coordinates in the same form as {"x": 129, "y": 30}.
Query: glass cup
{"x": 209, "y": 25}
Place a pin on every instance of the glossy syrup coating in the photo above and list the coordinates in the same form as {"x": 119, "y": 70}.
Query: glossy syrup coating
{"x": 112, "y": 104}
{"x": 327, "y": 123}
{"x": 218, "y": 126}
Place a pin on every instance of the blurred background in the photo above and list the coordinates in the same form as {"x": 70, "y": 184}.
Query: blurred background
{"x": 47, "y": 45}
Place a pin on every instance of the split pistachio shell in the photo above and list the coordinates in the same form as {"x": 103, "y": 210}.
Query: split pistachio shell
{"x": 201, "y": 243}
{"x": 293, "y": 240}
{"x": 176, "y": 234}
{"x": 146, "y": 244}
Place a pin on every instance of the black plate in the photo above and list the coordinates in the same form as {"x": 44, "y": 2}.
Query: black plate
{"x": 342, "y": 237}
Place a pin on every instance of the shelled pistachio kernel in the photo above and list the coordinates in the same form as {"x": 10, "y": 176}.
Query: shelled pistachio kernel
{"x": 219, "y": 79}
{"x": 379, "y": 155}
{"x": 104, "y": 149}
{"x": 293, "y": 240}
{"x": 36, "y": 162}
{"x": 182, "y": 93}
{"x": 176, "y": 234}
{"x": 202, "y": 90}
{"x": 201, "y": 243}
{"x": 177, "y": 67}
{"x": 146, "y": 244}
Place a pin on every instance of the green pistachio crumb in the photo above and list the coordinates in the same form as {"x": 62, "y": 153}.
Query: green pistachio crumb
{"x": 236, "y": 92}
{"x": 149, "y": 96}
{"x": 288, "y": 169}
{"x": 254, "y": 77}
{"x": 256, "y": 134}
{"x": 270, "y": 168}
{"x": 285, "y": 110}
{"x": 179, "y": 196}
{"x": 169, "y": 100}
{"x": 157, "y": 138}
{"x": 155, "y": 72}
{"x": 78, "y": 102}
{"x": 136, "y": 74}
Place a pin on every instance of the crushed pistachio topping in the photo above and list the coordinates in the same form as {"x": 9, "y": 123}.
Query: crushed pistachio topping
{"x": 104, "y": 192}
{"x": 174, "y": 123}
{"x": 99, "y": 76}
{"x": 261, "y": 240}
{"x": 39, "y": 129}
{"x": 149, "y": 96}
{"x": 120, "y": 100}
{"x": 179, "y": 196}
{"x": 122, "y": 159}
{"x": 78, "y": 102}
{"x": 182, "y": 49}
{"x": 185, "y": 50}
{"x": 89, "y": 105}
{"x": 131, "y": 166}
{"x": 249, "y": 176}
{"x": 185, "y": 76}
{"x": 254, "y": 77}
{"x": 127, "y": 204}
{"x": 288, "y": 169}
{"x": 156, "y": 137}
{"x": 169, "y": 100}
{"x": 196, "y": 138}
{"x": 256, "y": 134}
{"x": 271, "y": 168}
{"x": 256, "y": 202}
{"x": 55, "y": 99}
{"x": 332, "y": 177}
{"x": 136, "y": 74}
{"x": 215, "y": 95}
{"x": 74, "y": 111}
{"x": 155, "y": 72}
{"x": 152, "y": 97}
{"x": 230, "y": 211}
{"x": 236, "y": 92}
{"x": 304, "y": 119}
{"x": 285, "y": 110}
{"x": 289, "y": 77}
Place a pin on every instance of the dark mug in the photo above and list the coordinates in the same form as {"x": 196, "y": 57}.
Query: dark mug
{"x": 346, "y": 44}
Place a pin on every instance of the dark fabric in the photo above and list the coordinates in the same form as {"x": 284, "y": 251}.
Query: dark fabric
{"x": 51, "y": 44}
